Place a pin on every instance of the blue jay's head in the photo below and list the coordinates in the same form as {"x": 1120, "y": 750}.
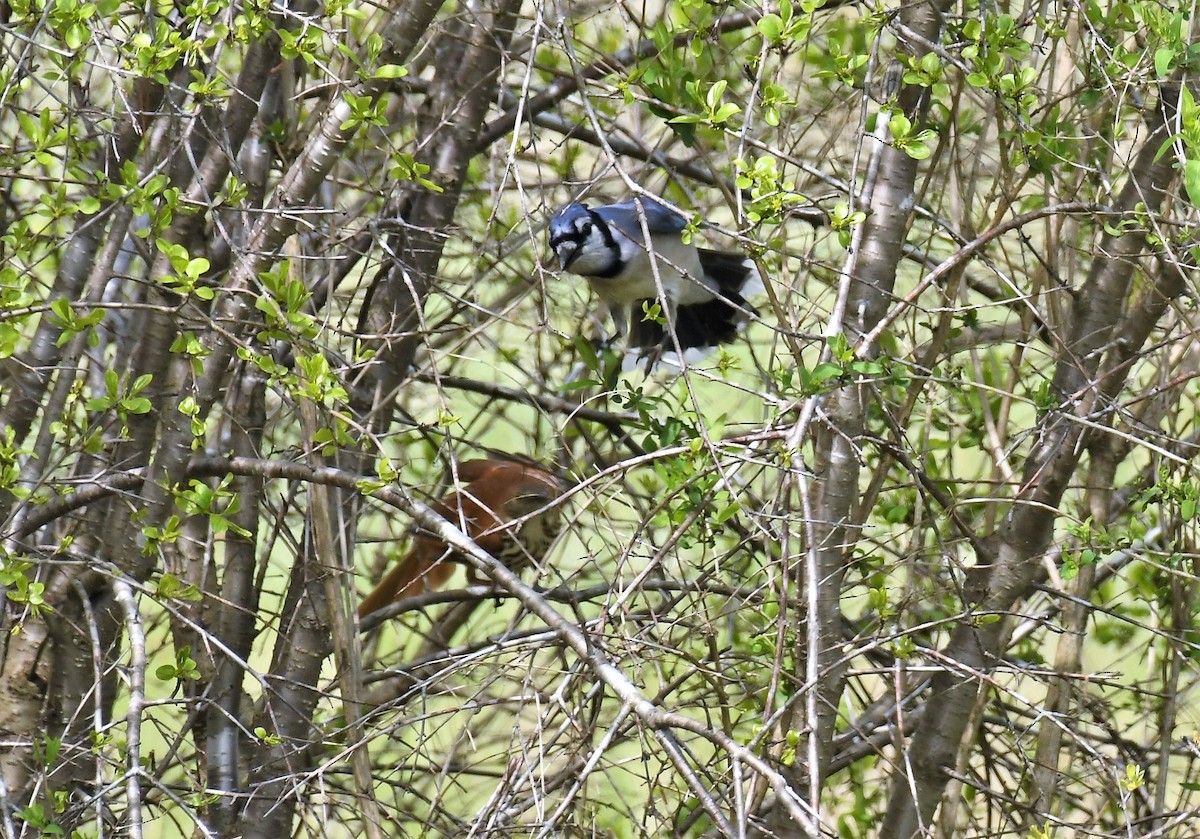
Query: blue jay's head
{"x": 583, "y": 242}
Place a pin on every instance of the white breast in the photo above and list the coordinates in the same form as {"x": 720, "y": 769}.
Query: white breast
{"x": 679, "y": 271}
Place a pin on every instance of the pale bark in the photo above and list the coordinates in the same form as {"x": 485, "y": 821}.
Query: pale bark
{"x": 869, "y": 280}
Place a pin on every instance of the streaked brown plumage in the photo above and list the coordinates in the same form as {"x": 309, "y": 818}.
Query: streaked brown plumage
{"x": 496, "y": 493}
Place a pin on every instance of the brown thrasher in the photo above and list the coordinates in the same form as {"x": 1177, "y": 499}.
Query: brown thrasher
{"x": 497, "y": 492}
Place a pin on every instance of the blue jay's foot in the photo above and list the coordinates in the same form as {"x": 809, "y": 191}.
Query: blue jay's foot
{"x": 606, "y": 344}
{"x": 648, "y": 359}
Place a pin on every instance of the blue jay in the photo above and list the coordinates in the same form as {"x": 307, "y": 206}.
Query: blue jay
{"x": 705, "y": 290}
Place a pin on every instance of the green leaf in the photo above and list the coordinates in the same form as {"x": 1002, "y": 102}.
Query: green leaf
{"x": 136, "y": 405}
{"x": 771, "y": 27}
{"x": 9, "y": 336}
{"x": 726, "y": 111}
{"x": 917, "y": 150}
{"x": 1191, "y": 179}
{"x": 367, "y": 486}
{"x": 652, "y": 311}
{"x": 726, "y": 513}
{"x": 197, "y": 266}
{"x": 825, "y": 371}
{"x": 391, "y": 71}
{"x": 61, "y": 307}
{"x": 1163, "y": 58}
{"x": 715, "y": 93}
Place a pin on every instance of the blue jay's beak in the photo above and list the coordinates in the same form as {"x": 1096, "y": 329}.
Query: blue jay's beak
{"x": 566, "y": 250}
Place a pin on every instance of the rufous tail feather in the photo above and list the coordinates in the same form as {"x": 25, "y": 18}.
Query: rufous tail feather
{"x": 419, "y": 571}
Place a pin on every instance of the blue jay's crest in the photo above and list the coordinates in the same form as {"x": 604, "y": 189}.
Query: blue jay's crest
{"x": 704, "y": 290}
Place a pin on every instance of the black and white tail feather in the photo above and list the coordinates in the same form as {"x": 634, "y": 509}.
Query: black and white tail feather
{"x": 704, "y": 291}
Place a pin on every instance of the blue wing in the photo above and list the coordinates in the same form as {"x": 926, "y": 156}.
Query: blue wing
{"x": 659, "y": 219}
